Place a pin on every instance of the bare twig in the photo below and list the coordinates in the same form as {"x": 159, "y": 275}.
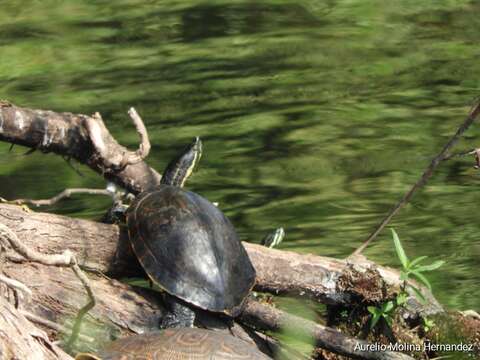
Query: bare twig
{"x": 101, "y": 139}
{"x": 144, "y": 148}
{"x": 67, "y": 258}
{"x": 64, "y": 194}
{"x": 38, "y": 320}
{"x": 424, "y": 178}
{"x": 465, "y": 153}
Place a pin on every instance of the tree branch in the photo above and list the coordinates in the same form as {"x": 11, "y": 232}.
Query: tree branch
{"x": 474, "y": 111}
{"x": 53, "y": 200}
{"x": 84, "y": 138}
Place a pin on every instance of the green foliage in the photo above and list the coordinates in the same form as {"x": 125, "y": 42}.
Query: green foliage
{"x": 410, "y": 269}
{"x": 428, "y": 324}
{"x": 385, "y": 311}
{"x": 414, "y": 268}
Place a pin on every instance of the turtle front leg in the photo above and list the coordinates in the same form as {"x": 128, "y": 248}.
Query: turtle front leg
{"x": 180, "y": 314}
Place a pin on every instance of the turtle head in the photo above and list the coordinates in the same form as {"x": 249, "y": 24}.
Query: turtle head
{"x": 179, "y": 169}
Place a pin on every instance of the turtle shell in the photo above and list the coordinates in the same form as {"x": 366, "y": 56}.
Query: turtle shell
{"x": 178, "y": 344}
{"x": 190, "y": 249}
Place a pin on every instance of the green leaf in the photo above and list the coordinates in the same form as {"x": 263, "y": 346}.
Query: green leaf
{"x": 387, "y": 307}
{"x": 422, "y": 279}
{"x": 418, "y": 294}
{"x": 417, "y": 260}
{"x": 388, "y": 319}
{"x": 373, "y": 310}
{"x": 404, "y": 275}
{"x": 374, "y": 320}
{"x": 428, "y": 323}
{"x": 399, "y": 249}
{"x": 401, "y": 299}
{"x": 430, "y": 267}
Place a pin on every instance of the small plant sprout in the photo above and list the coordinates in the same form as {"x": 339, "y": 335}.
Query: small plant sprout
{"x": 413, "y": 269}
{"x": 428, "y": 324}
{"x": 410, "y": 269}
{"x": 384, "y": 311}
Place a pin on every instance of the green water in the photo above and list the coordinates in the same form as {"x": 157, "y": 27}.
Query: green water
{"x": 315, "y": 115}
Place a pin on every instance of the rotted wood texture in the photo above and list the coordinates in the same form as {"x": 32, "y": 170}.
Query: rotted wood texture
{"x": 58, "y": 295}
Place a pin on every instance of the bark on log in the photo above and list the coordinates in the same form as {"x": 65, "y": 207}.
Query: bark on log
{"x": 58, "y": 295}
{"x": 20, "y": 339}
{"x": 105, "y": 248}
{"x": 73, "y": 136}
{"x": 122, "y": 310}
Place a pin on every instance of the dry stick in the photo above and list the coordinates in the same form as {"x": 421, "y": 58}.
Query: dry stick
{"x": 144, "y": 147}
{"x": 99, "y": 133}
{"x": 465, "y": 153}
{"x": 67, "y": 258}
{"x": 425, "y": 176}
{"x": 53, "y": 200}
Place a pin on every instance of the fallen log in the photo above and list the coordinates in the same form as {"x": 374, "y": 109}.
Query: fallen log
{"x": 122, "y": 310}
{"x": 105, "y": 248}
{"x": 58, "y": 295}
{"x": 86, "y": 139}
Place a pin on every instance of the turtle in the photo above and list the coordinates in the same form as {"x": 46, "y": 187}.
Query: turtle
{"x": 178, "y": 344}
{"x": 188, "y": 247}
